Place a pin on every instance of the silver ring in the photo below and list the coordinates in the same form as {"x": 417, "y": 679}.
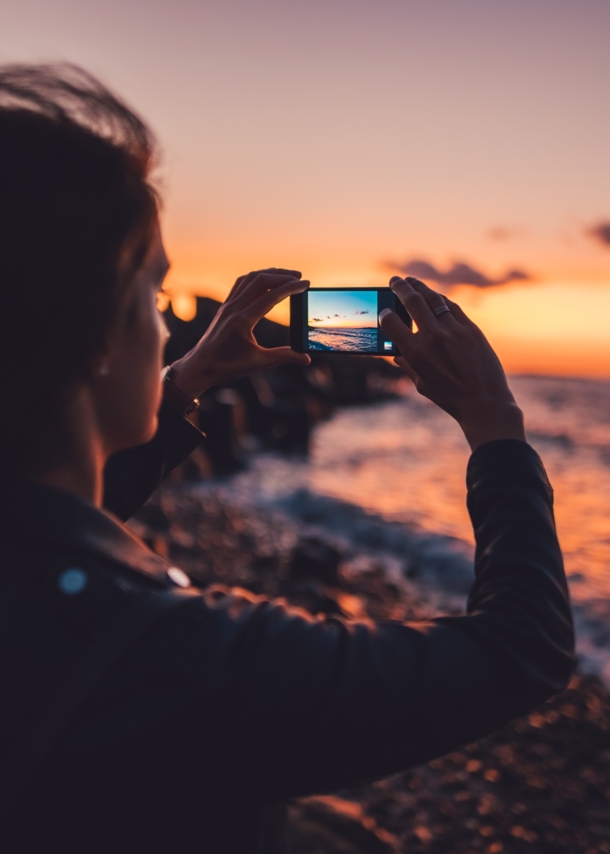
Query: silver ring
{"x": 440, "y": 309}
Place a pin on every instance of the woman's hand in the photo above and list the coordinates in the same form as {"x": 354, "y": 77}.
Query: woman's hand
{"x": 451, "y": 362}
{"x": 228, "y": 349}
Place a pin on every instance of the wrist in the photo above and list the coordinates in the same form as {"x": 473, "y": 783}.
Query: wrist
{"x": 175, "y": 397}
{"x": 190, "y": 379}
{"x": 498, "y": 421}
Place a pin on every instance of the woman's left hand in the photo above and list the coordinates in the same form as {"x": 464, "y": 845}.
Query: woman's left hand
{"x": 228, "y": 349}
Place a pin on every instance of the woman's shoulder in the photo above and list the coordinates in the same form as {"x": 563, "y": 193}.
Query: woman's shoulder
{"x": 66, "y": 562}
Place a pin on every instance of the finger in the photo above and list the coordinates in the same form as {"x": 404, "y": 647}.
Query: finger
{"x": 396, "y": 330}
{"x": 243, "y": 281}
{"x": 284, "y": 356}
{"x": 237, "y": 286}
{"x": 261, "y": 284}
{"x": 266, "y": 301}
{"x": 458, "y": 313}
{"x": 433, "y": 299}
{"x": 414, "y": 302}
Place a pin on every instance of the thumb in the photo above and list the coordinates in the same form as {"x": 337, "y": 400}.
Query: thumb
{"x": 396, "y": 330}
{"x": 285, "y": 356}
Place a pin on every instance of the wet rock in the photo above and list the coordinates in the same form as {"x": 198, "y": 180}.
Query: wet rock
{"x": 220, "y": 417}
{"x": 313, "y": 558}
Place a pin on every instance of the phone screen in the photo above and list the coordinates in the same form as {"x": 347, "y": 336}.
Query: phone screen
{"x": 342, "y": 321}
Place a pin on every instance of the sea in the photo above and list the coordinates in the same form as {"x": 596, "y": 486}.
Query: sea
{"x": 352, "y": 340}
{"x": 386, "y": 482}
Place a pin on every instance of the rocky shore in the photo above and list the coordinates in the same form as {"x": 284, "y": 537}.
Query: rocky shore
{"x": 539, "y": 785}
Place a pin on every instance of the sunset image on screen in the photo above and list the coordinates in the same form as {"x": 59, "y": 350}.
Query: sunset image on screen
{"x": 342, "y": 320}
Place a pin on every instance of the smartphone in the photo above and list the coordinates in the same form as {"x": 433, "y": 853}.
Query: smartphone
{"x": 343, "y": 320}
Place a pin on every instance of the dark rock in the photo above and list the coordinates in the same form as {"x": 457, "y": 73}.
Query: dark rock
{"x": 219, "y": 417}
{"x": 312, "y": 558}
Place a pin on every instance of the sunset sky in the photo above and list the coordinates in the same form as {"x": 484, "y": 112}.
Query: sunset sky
{"x": 336, "y": 309}
{"x": 355, "y": 138}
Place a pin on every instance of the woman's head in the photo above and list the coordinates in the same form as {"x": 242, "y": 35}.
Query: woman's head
{"x": 78, "y": 236}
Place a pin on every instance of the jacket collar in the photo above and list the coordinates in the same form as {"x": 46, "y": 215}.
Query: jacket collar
{"x": 34, "y": 512}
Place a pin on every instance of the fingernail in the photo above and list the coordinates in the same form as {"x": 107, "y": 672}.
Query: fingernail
{"x": 384, "y": 312}
{"x": 395, "y": 280}
{"x": 305, "y": 283}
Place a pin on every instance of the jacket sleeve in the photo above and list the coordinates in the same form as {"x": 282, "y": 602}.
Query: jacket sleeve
{"x": 132, "y": 476}
{"x": 300, "y": 705}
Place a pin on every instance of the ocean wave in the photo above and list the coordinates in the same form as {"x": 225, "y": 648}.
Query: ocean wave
{"x": 433, "y": 559}
{"x": 343, "y": 340}
{"x": 592, "y": 624}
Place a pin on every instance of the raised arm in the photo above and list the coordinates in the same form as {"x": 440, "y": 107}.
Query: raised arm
{"x": 228, "y": 350}
{"x": 131, "y": 476}
{"x": 306, "y": 705}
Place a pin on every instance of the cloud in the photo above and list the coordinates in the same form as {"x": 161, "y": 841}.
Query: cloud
{"x": 317, "y": 319}
{"x": 600, "y": 232}
{"x": 459, "y": 274}
{"x": 362, "y": 312}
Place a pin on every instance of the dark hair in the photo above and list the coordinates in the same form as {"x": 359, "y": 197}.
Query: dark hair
{"x": 76, "y": 216}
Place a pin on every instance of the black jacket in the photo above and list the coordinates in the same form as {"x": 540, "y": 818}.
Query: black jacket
{"x": 231, "y": 704}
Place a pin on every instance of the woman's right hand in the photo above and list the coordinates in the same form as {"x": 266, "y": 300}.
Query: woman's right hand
{"x": 452, "y": 363}
{"x": 228, "y": 349}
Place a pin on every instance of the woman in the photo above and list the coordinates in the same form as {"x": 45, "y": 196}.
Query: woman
{"x": 140, "y": 714}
